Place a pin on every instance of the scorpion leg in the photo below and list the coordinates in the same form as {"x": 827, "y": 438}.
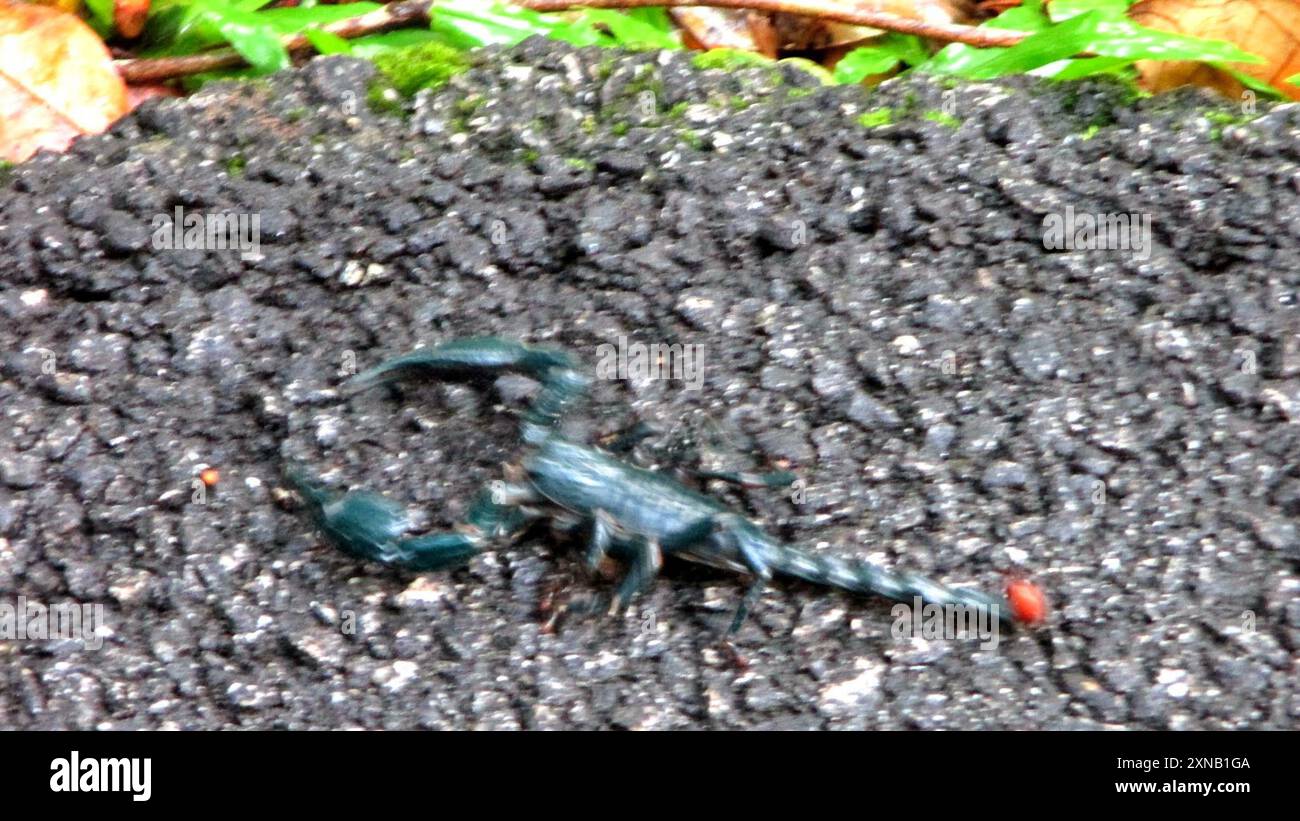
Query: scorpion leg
{"x": 775, "y": 479}
{"x": 370, "y": 526}
{"x": 623, "y": 443}
{"x": 602, "y": 538}
{"x": 643, "y": 568}
{"x": 751, "y": 554}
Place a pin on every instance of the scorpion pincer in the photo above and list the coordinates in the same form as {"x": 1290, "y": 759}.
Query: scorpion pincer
{"x": 629, "y": 513}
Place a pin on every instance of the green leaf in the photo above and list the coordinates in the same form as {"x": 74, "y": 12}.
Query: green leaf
{"x": 655, "y": 17}
{"x": 864, "y": 62}
{"x": 190, "y": 27}
{"x": 1123, "y": 38}
{"x": 1046, "y": 46}
{"x": 1086, "y": 67}
{"x": 958, "y": 58}
{"x": 249, "y": 34}
{"x": 101, "y": 16}
{"x": 629, "y": 31}
{"x": 477, "y": 23}
{"x": 292, "y": 20}
{"x": 880, "y": 57}
{"x": 1090, "y": 32}
{"x": 326, "y": 43}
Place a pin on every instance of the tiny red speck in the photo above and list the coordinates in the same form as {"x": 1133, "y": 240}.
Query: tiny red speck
{"x": 1028, "y": 604}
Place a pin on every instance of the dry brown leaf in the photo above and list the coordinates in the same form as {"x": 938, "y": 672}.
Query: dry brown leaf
{"x": 1269, "y": 28}
{"x": 57, "y": 81}
{"x": 705, "y": 27}
{"x": 129, "y": 16}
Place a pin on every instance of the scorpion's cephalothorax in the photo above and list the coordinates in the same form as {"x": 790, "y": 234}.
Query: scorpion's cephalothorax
{"x": 628, "y": 513}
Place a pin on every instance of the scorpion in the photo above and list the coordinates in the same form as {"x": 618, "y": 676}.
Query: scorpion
{"x": 631, "y": 514}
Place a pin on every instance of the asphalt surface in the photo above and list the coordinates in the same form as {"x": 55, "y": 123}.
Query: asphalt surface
{"x": 876, "y": 308}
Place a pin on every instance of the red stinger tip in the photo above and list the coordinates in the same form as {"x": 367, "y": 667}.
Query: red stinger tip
{"x": 1028, "y": 604}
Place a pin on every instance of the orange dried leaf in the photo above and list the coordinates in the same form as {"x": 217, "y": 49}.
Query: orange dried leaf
{"x": 70, "y": 6}
{"x": 129, "y": 16}
{"x": 57, "y": 81}
{"x": 1269, "y": 28}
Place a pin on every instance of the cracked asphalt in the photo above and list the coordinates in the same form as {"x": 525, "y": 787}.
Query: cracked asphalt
{"x": 876, "y": 310}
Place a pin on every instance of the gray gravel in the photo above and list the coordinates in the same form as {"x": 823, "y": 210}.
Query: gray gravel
{"x": 876, "y": 308}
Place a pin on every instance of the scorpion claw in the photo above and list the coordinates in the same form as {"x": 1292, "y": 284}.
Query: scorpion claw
{"x": 368, "y": 525}
{"x": 360, "y": 523}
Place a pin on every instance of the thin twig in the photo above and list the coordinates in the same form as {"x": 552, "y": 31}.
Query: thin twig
{"x": 156, "y": 69}
{"x": 822, "y": 9}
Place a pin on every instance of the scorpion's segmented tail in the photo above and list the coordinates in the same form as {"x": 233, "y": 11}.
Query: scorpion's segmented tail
{"x": 483, "y": 358}
{"x": 860, "y": 576}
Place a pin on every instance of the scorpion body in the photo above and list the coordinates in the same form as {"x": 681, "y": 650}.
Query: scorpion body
{"x": 627, "y": 513}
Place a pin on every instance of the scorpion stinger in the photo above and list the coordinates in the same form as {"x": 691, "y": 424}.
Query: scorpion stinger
{"x": 634, "y": 515}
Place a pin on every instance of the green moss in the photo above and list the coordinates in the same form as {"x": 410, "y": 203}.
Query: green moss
{"x": 739, "y": 103}
{"x": 293, "y": 115}
{"x": 579, "y": 163}
{"x": 384, "y": 99}
{"x": 942, "y": 118}
{"x": 465, "y": 109}
{"x": 469, "y": 106}
{"x": 529, "y": 156}
{"x": 589, "y": 124}
{"x": 728, "y": 59}
{"x": 798, "y": 93}
{"x": 1226, "y": 119}
{"x": 678, "y": 111}
{"x": 877, "y": 117}
{"x": 427, "y": 65}
{"x": 235, "y": 165}
{"x": 619, "y": 128}
{"x": 692, "y": 139}
{"x": 404, "y": 71}
{"x": 1090, "y": 132}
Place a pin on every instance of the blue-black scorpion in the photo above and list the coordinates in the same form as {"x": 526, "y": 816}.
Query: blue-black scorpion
{"x": 628, "y": 513}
